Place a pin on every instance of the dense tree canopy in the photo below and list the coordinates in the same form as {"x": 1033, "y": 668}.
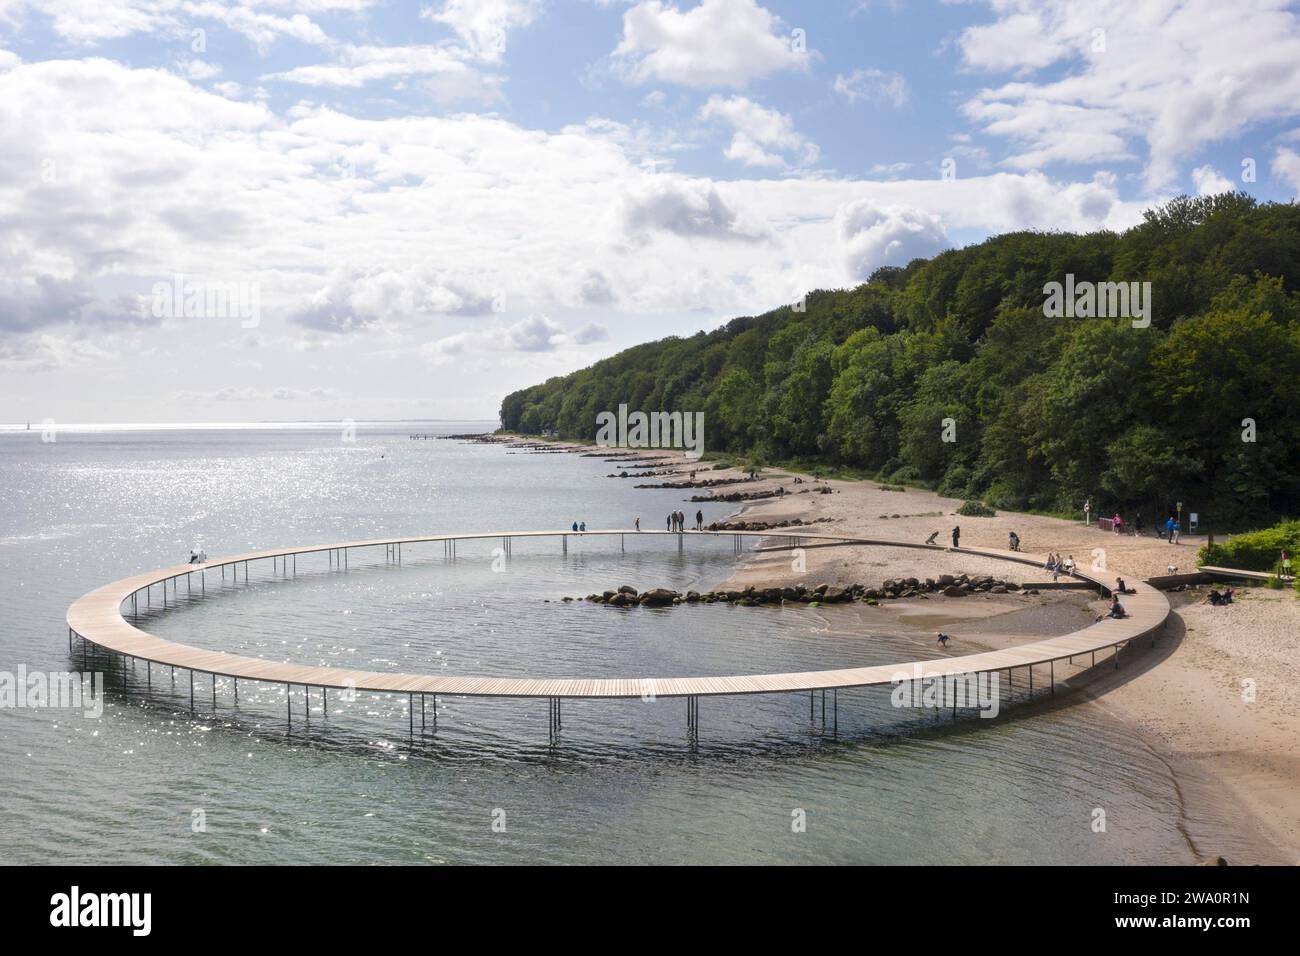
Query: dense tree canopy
{"x": 1042, "y": 412}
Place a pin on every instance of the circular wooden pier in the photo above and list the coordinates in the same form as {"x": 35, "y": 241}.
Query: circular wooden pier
{"x": 97, "y": 619}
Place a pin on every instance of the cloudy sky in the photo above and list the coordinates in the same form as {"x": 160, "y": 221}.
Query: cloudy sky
{"x": 423, "y": 205}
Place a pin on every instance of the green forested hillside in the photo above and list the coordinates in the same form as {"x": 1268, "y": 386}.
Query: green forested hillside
{"x": 1047, "y": 411}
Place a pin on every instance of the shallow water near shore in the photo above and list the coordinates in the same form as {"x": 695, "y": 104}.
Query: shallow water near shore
{"x": 366, "y": 784}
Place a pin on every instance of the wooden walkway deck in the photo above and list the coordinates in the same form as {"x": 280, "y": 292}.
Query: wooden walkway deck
{"x": 97, "y": 618}
{"x": 1238, "y": 574}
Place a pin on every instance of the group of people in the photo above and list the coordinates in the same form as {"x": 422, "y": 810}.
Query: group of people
{"x": 956, "y": 537}
{"x": 1220, "y": 598}
{"x": 677, "y": 521}
{"x": 1058, "y": 565}
{"x": 582, "y": 525}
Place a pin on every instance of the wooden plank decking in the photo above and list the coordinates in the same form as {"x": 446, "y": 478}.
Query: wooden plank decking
{"x": 97, "y": 618}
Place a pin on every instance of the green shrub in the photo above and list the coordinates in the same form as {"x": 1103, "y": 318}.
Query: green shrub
{"x": 1255, "y": 551}
{"x": 976, "y": 509}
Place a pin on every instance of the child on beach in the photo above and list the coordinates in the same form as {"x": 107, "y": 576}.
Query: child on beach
{"x": 943, "y": 639}
{"x": 933, "y": 535}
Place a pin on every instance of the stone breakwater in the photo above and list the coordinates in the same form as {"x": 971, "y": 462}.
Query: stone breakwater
{"x": 945, "y": 585}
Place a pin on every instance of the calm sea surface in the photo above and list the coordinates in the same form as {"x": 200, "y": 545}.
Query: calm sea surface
{"x": 623, "y": 783}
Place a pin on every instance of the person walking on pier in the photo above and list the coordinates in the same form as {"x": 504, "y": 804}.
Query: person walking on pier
{"x": 638, "y": 523}
{"x": 670, "y": 522}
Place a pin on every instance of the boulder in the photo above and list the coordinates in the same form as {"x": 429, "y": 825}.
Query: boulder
{"x": 953, "y": 591}
{"x": 658, "y": 597}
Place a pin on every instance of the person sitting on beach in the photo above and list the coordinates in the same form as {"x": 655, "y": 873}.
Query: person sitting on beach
{"x": 575, "y": 526}
{"x": 1122, "y": 588}
{"x": 1068, "y": 565}
{"x": 1051, "y": 561}
{"x": 931, "y": 539}
{"x": 1219, "y": 600}
{"x": 943, "y": 639}
{"x": 1116, "y": 609}
{"x": 583, "y": 526}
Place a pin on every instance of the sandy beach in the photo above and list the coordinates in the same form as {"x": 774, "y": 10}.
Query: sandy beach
{"x": 1215, "y": 697}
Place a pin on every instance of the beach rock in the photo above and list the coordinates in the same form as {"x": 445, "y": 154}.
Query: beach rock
{"x": 998, "y": 589}
{"x": 946, "y": 579}
{"x": 954, "y": 591}
{"x": 620, "y": 600}
{"x": 658, "y": 597}
{"x": 628, "y": 590}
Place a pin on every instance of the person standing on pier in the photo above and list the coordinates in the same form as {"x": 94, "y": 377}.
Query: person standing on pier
{"x": 956, "y": 535}
{"x": 699, "y": 520}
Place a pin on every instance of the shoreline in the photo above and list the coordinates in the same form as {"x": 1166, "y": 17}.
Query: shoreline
{"x": 1230, "y": 758}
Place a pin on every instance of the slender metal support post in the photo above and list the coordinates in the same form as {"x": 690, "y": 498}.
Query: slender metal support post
{"x": 191, "y": 692}
{"x": 325, "y": 701}
{"x": 1052, "y": 674}
{"x": 836, "y": 718}
{"x": 410, "y": 710}
{"x": 214, "y": 691}
{"x": 422, "y": 712}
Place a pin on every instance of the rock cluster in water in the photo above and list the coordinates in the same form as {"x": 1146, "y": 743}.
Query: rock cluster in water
{"x": 947, "y": 585}
{"x": 765, "y": 525}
